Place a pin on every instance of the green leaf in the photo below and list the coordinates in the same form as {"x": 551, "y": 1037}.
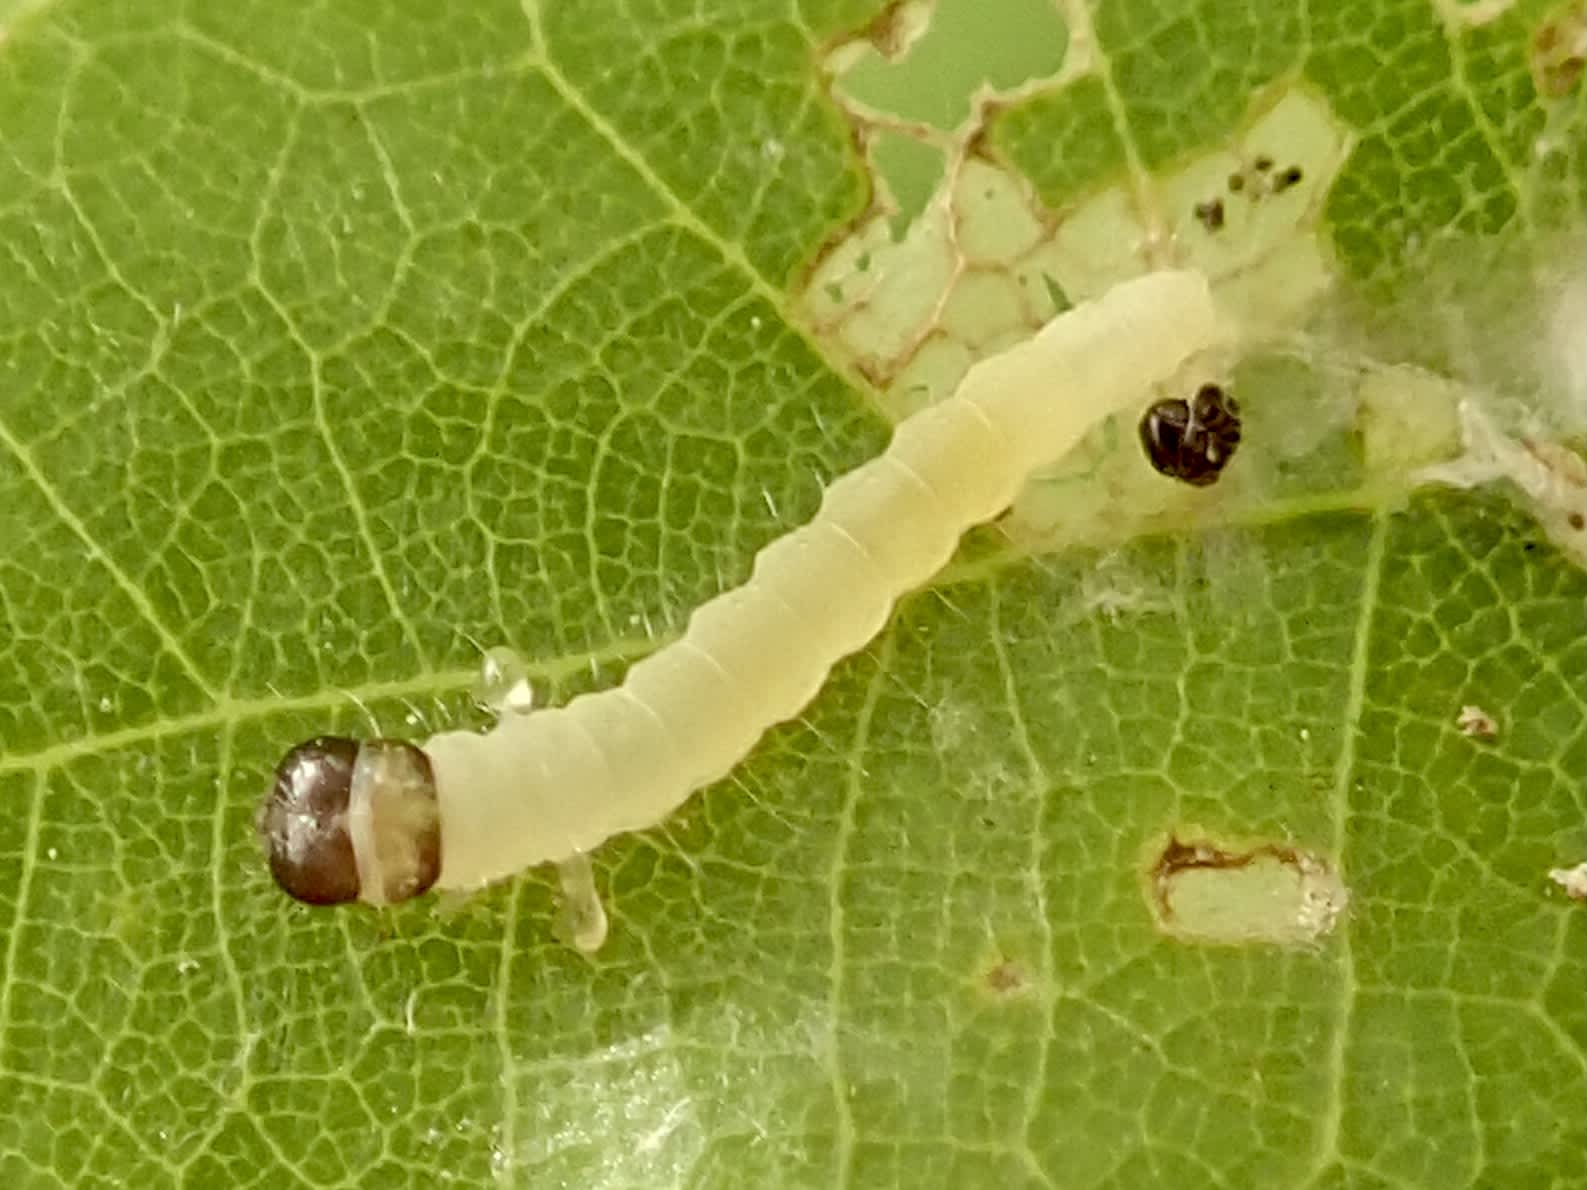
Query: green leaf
{"x": 338, "y": 342}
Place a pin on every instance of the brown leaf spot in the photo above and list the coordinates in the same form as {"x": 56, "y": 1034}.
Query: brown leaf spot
{"x": 1558, "y": 55}
{"x": 1204, "y": 892}
{"x": 1006, "y": 978}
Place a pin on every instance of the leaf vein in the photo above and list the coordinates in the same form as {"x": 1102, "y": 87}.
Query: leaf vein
{"x": 361, "y": 517}
{"x": 843, "y": 1148}
{"x": 1326, "y": 1146}
{"x": 97, "y": 552}
{"x": 1041, "y": 786}
{"x": 501, "y": 1026}
{"x": 29, "y": 861}
{"x": 224, "y": 711}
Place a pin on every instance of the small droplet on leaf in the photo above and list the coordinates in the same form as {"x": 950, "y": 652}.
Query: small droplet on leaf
{"x": 503, "y": 684}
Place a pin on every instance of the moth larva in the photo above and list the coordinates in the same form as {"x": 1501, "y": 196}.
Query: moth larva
{"x": 384, "y": 821}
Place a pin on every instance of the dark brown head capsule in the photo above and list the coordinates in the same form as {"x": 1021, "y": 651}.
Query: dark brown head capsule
{"x": 347, "y": 821}
{"x": 1192, "y": 441}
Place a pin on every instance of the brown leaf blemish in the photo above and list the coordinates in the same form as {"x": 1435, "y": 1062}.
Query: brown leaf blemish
{"x": 1006, "y": 978}
{"x": 1558, "y": 56}
{"x": 893, "y": 30}
{"x": 1205, "y": 892}
{"x": 999, "y": 978}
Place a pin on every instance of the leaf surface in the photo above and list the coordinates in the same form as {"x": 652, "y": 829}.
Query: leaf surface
{"x": 335, "y": 344}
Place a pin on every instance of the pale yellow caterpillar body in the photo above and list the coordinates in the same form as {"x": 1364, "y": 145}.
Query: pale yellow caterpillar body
{"x": 557, "y": 782}
{"x": 554, "y": 784}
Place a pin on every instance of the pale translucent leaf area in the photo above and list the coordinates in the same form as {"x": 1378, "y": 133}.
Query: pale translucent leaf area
{"x": 338, "y": 344}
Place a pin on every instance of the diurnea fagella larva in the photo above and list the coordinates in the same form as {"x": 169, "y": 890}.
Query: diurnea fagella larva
{"x": 383, "y": 821}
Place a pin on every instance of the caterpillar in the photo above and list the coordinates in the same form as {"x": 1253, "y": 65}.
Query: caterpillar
{"x": 385, "y": 820}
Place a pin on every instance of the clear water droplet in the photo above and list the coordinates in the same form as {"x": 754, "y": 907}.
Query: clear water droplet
{"x": 503, "y": 684}
{"x": 520, "y": 698}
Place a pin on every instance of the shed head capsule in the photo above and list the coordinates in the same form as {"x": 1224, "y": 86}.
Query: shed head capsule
{"x": 347, "y": 820}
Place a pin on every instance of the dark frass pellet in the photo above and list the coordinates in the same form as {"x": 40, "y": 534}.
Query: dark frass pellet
{"x": 1210, "y": 214}
{"x": 1192, "y": 441}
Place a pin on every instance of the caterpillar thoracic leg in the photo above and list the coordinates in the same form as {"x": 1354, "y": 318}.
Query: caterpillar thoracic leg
{"x": 552, "y": 785}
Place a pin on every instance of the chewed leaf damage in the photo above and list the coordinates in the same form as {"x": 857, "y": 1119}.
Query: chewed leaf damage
{"x": 1202, "y": 891}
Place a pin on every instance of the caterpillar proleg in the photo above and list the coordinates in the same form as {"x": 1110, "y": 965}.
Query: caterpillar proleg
{"x": 385, "y": 820}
